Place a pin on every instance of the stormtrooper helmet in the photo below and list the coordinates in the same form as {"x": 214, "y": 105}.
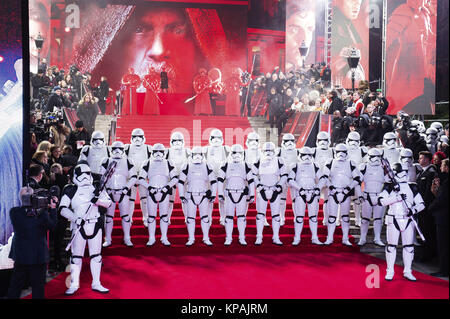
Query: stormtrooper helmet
{"x": 82, "y": 175}
{"x": 438, "y": 126}
{"x": 268, "y": 151}
{"x": 420, "y": 126}
{"x": 137, "y": 137}
{"x": 97, "y": 139}
{"x": 177, "y": 140}
{"x": 323, "y": 140}
{"x": 252, "y": 140}
{"x": 389, "y": 140}
{"x": 197, "y": 155}
{"x": 353, "y": 140}
{"x": 341, "y": 152}
{"x": 374, "y": 156}
{"x": 117, "y": 150}
{"x": 237, "y": 153}
{"x": 406, "y": 157}
{"x": 444, "y": 139}
{"x": 158, "y": 151}
{"x": 288, "y": 141}
{"x": 216, "y": 138}
{"x": 431, "y": 135}
{"x": 305, "y": 155}
{"x": 400, "y": 172}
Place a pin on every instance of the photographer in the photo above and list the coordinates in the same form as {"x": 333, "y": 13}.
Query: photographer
{"x": 56, "y": 100}
{"x": 78, "y": 138}
{"x": 38, "y": 81}
{"x": 29, "y": 248}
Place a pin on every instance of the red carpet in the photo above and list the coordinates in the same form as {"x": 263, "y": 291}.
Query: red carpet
{"x": 219, "y": 272}
{"x": 196, "y": 129}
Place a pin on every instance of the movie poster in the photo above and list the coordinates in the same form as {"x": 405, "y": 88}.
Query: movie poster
{"x": 152, "y": 37}
{"x": 349, "y": 29}
{"x": 39, "y": 24}
{"x": 411, "y": 56}
{"x": 11, "y": 108}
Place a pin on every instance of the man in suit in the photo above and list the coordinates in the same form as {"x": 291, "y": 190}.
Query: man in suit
{"x": 29, "y": 248}
{"x": 426, "y": 219}
{"x": 35, "y": 173}
{"x": 103, "y": 94}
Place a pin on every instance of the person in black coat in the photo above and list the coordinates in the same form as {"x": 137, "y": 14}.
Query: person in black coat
{"x": 336, "y": 103}
{"x": 29, "y": 248}
{"x": 78, "y": 138}
{"x": 413, "y": 141}
{"x": 425, "y": 218}
{"x": 38, "y": 81}
{"x": 275, "y": 102}
{"x": 56, "y": 99}
{"x": 439, "y": 208}
{"x": 103, "y": 94}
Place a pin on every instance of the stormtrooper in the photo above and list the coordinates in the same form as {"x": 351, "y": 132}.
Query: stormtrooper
{"x": 407, "y": 159}
{"x": 253, "y": 154}
{"x": 119, "y": 189}
{"x": 443, "y": 140}
{"x": 216, "y": 156}
{"x": 83, "y": 204}
{"x": 439, "y": 127}
{"x": 178, "y": 156}
{"x": 342, "y": 178}
{"x": 95, "y": 153}
{"x": 289, "y": 154}
{"x": 235, "y": 189}
{"x": 306, "y": 181}
{"x": 138, "y": 152}
{"x": 432, "y": 139}
{"x": 390, "y": 150}
{"x": 159, "y": 177}
{"x": 404, "y": 201}
{"x": 420, "y": 127}
{"x": 197, "y": 188}
{"x": 322, "y": 153}
{"x": 373, "y": 178}
{"x": 269, "y": 176}
{"x": 357, "y": 154}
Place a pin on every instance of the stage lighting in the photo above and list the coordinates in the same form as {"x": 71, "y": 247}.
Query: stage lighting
{"x": 39, "y": 42}
{"x": 2, "y": 59}
{"x": 67, "y": 29}
{"x": 353, "y": 57}
{"x": 303, "y": 51}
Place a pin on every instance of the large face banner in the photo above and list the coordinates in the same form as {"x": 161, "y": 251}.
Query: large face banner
{"x": 11, "y": 110}
{"x": 349, "y": 30}
{"x": 158, "y": 37}
{"x": 411, "y": 56}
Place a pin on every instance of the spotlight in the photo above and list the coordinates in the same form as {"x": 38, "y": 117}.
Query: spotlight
{"x": 67, "y": 29}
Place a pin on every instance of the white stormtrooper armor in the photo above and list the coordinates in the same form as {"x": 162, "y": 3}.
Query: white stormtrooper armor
{"x": 269, "y": 176}
{"x": 342, "y": 178}
{"x": 83, "y": 206}
{"x": 159, "y": 177}
{"x": 235, "y": 189}
{"x": 95, "y": 153}
{"x": 119, "y": 189}
{"x": 306, "y": 180}
{"x": 357, "y": 154}
{"x": 439, "y": 127}
{"x": 216, "y": 155}
{"x": 432, "y": 139}
{"x": 253, "y": 154}
{"x": 197, "y": 188}
{"x": 390, "y": 150}
{"x": 289, "y": 154}
{"x": 442, "y": 140}
{"x": 373, "y": 179}
{"x": 322, "y": 153}
{"x": 138, "y": 152}
{"x": 407, "y": 159}
{"x": 404, "y": 201}
{"x": 178, "y": 156}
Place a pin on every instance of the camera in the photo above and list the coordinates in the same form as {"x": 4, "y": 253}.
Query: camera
{"x": 40, "y": 198}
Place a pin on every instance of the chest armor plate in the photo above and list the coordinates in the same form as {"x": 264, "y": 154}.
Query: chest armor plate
{"x": 322, "y": 156}
{"x": 268, "y": 172}
{"x": 216, "y": 157}
{"x": 236, "y": 175}
{"x": 306, "y": 176}
{"x": 373, "y": 178}
{"x": 197, "y": 178}
{"x": 138, "y": 154}
{"x": 81, "y": 201}
{"x": 158, "y": 173}
{"x": 289, "y": 157}
{"x": 392, "y": 155}
{"x": 178, "y": 158}
{"x": 340, "y": 173}
{"x": 251, "y": 156}
{"x": 398, "y": 209}
{"x": 355, "y": 155}
{"x": 95, "y": 158}
{"x": 119, "y": 179}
